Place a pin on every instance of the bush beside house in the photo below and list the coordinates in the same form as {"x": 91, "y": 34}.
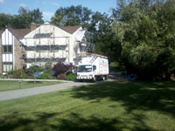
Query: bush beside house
{"x": 59, "y": 71}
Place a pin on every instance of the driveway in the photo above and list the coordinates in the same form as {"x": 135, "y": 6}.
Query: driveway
{"x": 20, "y": 93}
{"x": 14, "y": 94}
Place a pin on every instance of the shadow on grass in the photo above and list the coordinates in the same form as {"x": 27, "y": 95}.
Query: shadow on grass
{"x": 73, "y": 122}
{"x": 158, "y": 96}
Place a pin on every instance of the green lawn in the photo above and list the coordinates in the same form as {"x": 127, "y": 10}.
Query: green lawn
{"x": 116, "y": 106}
{"x": 13, "y": 85}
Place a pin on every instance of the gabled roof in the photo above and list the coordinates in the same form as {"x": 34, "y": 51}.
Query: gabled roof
{"x": 70, "y": 29}
{"x": 19, "y": 33}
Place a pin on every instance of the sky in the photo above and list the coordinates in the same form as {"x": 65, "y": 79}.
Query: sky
{"x": 49, "y": 7}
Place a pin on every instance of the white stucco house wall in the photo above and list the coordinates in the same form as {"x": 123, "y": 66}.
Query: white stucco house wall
{"x": 50, "y": 42}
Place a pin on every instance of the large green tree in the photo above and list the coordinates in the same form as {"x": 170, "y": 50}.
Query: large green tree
{"x": 104, "y": 38}
{"x": 37, "y": 16}
{"x": 22, "y": 20}
{"x": 146, "y": 30}
{"x": 5, "y": 20}
{"x": 70, "y": 16}
{"x": 26, "y": 17}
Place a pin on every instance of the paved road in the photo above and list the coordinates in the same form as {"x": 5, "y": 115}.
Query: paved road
{"x": 14, "y": 94}
{"x": 20, "y": 93}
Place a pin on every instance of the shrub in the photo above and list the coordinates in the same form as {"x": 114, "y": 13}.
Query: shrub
{"x": 61, "y": 68}
{"x": 30, "y": 71}
{"x": 23, "y": 75}
{"x": 116, "y": 66}
{"x": 14, "y": 74}
{"x": 71, "y": 76}
{"x": 34, "y": 69}
{"x": 45, "y": 76}
{"x": 62, "y": 77}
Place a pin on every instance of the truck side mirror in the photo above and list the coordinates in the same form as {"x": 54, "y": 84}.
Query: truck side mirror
{"x": 94, "y": 67}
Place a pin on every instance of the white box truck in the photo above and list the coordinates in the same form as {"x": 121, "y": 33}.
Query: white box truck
{"x": 93, "y": 67}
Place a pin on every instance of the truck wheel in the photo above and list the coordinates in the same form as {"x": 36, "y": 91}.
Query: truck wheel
{"x": 94, "y": 79}
{"x": 106, "y": 77}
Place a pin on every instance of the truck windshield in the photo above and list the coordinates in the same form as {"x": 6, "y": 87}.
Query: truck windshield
{"x": 84, "y": 68}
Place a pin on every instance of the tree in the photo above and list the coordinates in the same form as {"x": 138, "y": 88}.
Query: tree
{"x": 104, "y": 38}
{"x": 23, "y": 20}
{"x": 5, "y": 21}
{"x": 48, "y": 67}
{"x": 70, "y": 16}
{"x": 61, "y": 68}
{"x": 37, "y": 16}
{"x": 146, "y": 30}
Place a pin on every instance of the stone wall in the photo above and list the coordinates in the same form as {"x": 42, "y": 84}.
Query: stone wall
{"x": 18, "y": 62}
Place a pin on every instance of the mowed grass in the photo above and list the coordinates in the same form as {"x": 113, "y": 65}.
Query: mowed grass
{"x": 13, "y": 85}
{"x": 115, "y": 106}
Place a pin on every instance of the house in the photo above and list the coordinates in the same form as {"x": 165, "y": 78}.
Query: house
{"x": 40, "y": 44}
{"x": 52, "y": 43}
{"x": 11, "y": 49}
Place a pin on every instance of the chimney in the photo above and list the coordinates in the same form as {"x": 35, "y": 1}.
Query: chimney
{"x": 33, "y": 26}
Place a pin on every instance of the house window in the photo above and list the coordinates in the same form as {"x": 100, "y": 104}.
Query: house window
{"x": 7, "y": 49}
{"x": 7, "y": 67}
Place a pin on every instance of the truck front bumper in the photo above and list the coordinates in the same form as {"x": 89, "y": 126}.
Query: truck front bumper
{"x": 84, "y": 77}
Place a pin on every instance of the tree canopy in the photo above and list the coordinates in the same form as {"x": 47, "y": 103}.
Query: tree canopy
{"x": 73, "y": 15}
{"x": 22, "y": 20}
{"x": 146, "y": 29}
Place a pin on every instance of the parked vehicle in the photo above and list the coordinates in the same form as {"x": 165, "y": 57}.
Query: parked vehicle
{"x": 93, "y": 67}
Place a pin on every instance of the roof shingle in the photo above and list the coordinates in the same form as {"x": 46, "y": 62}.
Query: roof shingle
{"x": 19, "y": 33}
{"x": 70, "y": 29}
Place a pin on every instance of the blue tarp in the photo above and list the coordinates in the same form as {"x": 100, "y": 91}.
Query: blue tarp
{"x": 37, "y": 74}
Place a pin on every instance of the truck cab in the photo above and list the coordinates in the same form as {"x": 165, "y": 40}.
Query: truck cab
{"x": 86, "y": 72}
